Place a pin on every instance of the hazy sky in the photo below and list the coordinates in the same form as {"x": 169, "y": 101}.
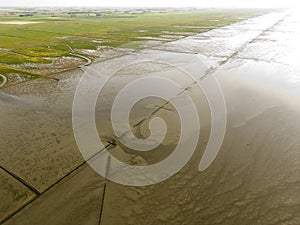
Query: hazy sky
{"x": 152, "y": 3}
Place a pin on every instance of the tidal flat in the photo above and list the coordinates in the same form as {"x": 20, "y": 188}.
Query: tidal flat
{"x": 254, "y": 179}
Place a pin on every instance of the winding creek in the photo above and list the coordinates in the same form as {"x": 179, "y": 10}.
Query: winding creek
{"x": 4, "y": 80}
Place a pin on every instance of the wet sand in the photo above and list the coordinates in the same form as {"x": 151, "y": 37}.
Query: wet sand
{"x": 254, "y": 179}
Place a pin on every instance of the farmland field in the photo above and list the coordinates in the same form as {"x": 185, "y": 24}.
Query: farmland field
{"x": 43, "y": 43}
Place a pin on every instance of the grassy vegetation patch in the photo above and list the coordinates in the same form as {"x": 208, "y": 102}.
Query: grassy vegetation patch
{"x": 15, "y": 58}
{"x": 39, "y": 52}
{"x": 7, "y": 70}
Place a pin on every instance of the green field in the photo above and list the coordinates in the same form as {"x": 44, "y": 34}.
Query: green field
{"x": 57, "y": 34}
